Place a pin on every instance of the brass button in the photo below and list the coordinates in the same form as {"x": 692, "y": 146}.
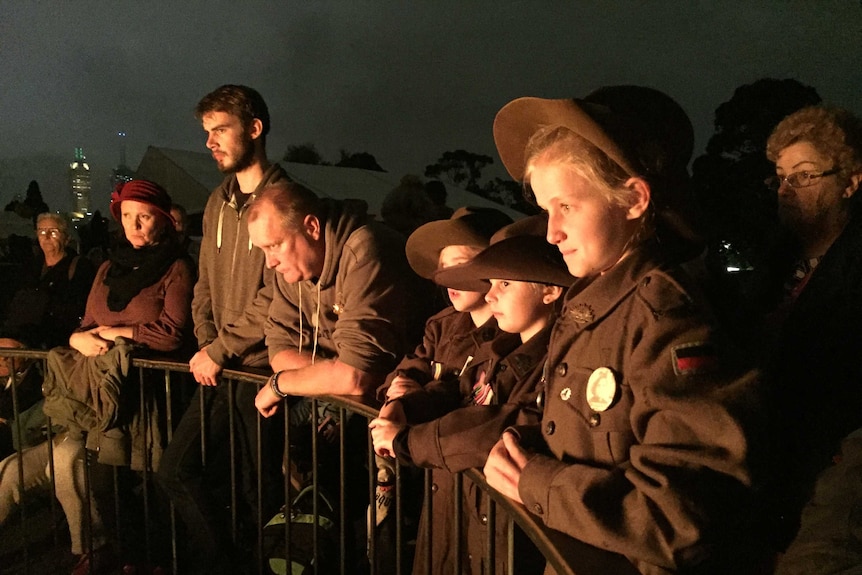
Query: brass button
{"x": 595, "y": 420}
{"x": 434, "y": 488}
{"x": 562, "y": 369}
{"x": 484, "y": 519}
{"x": 550, "y": 428}
{"x": 537, "y": 509}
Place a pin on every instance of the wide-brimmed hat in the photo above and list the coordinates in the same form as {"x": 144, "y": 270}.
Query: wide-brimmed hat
{"x": 468, "y": 226}
{"x": 517, "y": 252}
{"x": 143, "y": 191}
{"x": 643, "y": 130}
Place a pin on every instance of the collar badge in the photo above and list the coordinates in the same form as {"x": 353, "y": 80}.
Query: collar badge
{"x": 582, "y": 313}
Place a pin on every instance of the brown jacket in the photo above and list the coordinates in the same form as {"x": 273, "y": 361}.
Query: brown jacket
{"x": 463, "y": 438}
{"x": 662, "y": 475}
{"x": 366, "y": 304}
{"x": 449, "y": 339}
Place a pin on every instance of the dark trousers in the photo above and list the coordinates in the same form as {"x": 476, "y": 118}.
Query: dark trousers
{"x": 200, "y": 491}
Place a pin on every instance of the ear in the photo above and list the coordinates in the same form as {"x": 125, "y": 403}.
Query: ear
{"x": 255, "y": 129}
{"x": 853, "y": 186}
{"x": 312, "y": 226}
{"x": 641, "y": 195}
{"x": 550, "y": 294}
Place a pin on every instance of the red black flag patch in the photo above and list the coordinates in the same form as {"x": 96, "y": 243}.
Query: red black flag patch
{"x": 693, "y": 358}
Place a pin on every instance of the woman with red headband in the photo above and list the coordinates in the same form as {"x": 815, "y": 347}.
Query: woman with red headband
{"x": 140, "y": 299}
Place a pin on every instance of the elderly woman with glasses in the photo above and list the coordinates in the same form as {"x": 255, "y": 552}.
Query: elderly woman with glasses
{"x": 49, "y": 303}
{"x": 812, "y": 296}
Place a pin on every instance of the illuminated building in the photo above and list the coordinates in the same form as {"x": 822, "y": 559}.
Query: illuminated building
{"x": 79, "y": 180}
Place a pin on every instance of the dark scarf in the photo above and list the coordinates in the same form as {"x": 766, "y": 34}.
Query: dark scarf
{"x": 133, "y": 269}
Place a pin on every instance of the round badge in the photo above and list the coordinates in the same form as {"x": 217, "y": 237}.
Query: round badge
{"x": 601, "y": 389}
{"x": 565, "y": 394}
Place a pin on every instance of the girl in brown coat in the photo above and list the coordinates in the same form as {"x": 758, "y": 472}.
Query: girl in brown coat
{"x": 645, "y": 448}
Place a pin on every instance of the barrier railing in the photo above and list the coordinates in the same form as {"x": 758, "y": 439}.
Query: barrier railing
{"x": 563, "y": 554}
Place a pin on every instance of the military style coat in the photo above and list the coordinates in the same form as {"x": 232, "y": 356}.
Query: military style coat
{"x": 498, "y": 389}
{"x": 450, "y": 338}
{"x": 643, "y": 448}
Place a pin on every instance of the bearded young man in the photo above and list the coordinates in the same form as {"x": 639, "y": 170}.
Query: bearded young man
{"x": 229, "y": 308}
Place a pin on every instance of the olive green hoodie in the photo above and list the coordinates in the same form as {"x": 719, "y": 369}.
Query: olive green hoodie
{"x": 234, "y": 289}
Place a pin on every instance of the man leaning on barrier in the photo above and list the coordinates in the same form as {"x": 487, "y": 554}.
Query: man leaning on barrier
{"x": 345, "y": 302}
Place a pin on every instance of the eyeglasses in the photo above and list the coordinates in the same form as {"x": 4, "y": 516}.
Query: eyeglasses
{"x": 53, "y": 232}
{"x": 798, "y": 179}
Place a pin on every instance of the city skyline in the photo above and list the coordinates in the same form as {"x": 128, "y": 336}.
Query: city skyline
{"x": 404, "y": 83}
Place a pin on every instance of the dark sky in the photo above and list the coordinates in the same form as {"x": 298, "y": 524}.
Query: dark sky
{"x": 403, "y": 81}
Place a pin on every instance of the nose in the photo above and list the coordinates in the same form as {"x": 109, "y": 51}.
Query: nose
{"x": 491, "y": 296}
{"x": 271, "y": 260}
{"x": 784, "y": 188}
{"x": 211, "y": 143}
{"x": 555, "y": 233}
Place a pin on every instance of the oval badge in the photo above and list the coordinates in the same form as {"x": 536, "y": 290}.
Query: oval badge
{"x": 601, "y": 389}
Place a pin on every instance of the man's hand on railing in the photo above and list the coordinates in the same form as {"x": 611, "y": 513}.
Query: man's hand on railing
{"x": 204, "y": 368}
{"x": 504, "y": 465}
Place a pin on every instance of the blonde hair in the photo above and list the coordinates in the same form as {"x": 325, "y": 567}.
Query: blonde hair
{"x": 470, "y": 251}
{"x": 561, "y": 145}
{"x": 834, "y": 132}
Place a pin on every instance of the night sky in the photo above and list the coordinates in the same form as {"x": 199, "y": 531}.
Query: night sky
{"x": 403, "y": 81}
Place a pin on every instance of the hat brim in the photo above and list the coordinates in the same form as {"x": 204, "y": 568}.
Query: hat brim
{"x": 518, "y": 258}
{"x": 518, "y": 120}
{"x": 424, "y": 245}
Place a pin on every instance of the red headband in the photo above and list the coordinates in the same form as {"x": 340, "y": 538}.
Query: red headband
{"x": 143, "y": 191}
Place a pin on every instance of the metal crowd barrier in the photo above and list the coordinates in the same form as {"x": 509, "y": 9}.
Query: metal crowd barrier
{"x": 563, "y": 554}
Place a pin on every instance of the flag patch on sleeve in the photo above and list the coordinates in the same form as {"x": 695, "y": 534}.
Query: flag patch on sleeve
{"x": 692, "y": 358}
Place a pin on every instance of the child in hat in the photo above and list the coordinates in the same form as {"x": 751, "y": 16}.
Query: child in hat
{"x": 647, "y": 444}
{"x": 452, "y": 335}
{"x": 524, "y": 277}
{"x": 451, "y": 338}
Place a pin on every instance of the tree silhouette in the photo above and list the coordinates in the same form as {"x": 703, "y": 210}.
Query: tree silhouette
{"x": 362, "y": 160}
{"x": 728, "y": 179}
{"x": 33, "y": 204}
{"x": 460, "y": 167}
{"x": 304, "y": 154}
{"x": 509, "y": 193}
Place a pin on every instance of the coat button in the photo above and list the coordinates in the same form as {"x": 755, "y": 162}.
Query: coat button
{"x": 645, "y": 281}
{"x": 562, "y": 369}
{"x": 434, "y": 488}
{"x": 537, "y": 509}
{"x": 484, "y": 519}
{"x": 595, "y": 420}
{"x": 540, "y": 400}
{"x": 550, "y": 428}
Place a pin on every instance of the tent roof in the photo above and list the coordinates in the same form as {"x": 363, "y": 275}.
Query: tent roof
{"x": 326, "y": 181}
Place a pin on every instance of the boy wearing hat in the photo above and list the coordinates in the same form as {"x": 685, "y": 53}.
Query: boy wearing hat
{"x": 453, "y": 334}
{"x": 451, "y": 338}
{"x": 524, "y": 279}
